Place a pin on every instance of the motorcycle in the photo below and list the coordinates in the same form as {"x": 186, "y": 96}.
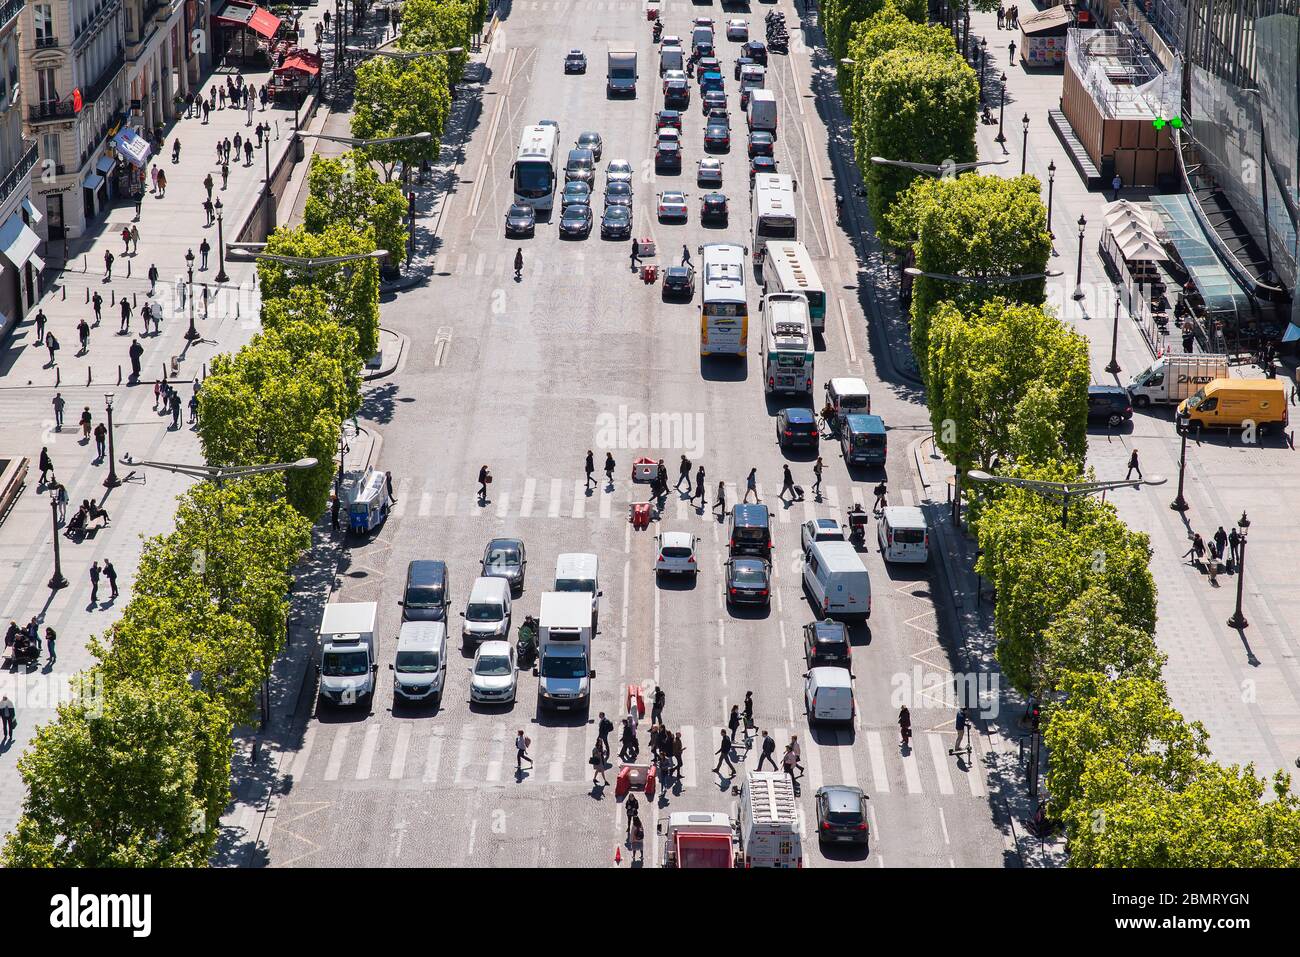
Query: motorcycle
{"x": 858, "y": 519}
{"x": 526, "y": 645}
{"x": 658, "y": 30}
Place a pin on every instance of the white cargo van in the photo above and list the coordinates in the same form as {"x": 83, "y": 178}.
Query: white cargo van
{"x": 420, "y": 668}
{"x": 761, "y": 114}
{"x": 580, "y": 572}
{"x": 348, "y": 668}
{"x": 903, "y": 534}
{"x": 671, "y": 58}
{"x": 828, "y": 695}
{"x": 564, "y": 662}
{"x": 837, "y": 581}
{"x": 487, "y": 613}
{"x": 768, "y": 819}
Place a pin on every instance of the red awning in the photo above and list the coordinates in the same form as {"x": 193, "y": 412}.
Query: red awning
{"x": 264, "y": 22}
{"x": 300, "y": 62}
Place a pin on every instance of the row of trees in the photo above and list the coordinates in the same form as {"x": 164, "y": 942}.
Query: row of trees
{"x": 1075, "y": 605}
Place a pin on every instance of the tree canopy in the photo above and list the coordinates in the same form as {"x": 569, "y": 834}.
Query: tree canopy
{"x": 401, "y": 98}
{"x": 346, "y": 190}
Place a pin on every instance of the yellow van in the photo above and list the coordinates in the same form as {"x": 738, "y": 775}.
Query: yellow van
{"x": 1235, "y": 403}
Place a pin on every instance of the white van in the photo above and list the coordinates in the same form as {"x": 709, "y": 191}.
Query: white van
{"x": 671, "y": 58}
{"x": 837, "y": 581}
{"x": 768, "y": 821}
{"x": 903, "y": 535}
{"x": 828, "y": 695}
{"x": 348, "y": 668}
{"x": 420, "y": 668}
{"x": 580, "y": 572}
{"x": 487, "y": 614}
{"x": 761, "y": 114}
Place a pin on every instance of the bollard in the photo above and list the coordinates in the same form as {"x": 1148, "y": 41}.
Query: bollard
{"x": 135, "y": 299}
{"x": 58, "y": 376}
{"x": 87, "y": 295}
{"x": 85, "y": 264}
{"x": 205, "y": 370}
{"x": 128, "y": 269}
{"x": 87, "y": 377}
{"x": 119, "y": 373}
{"x": 65, "y": 293}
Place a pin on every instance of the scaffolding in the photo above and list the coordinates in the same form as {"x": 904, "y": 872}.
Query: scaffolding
{"x": 1122, "y": 75}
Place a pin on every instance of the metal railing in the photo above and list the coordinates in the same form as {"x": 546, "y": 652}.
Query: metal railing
{"x": 19, "y": 172}
{"x": 92, "y": 93}
{"x": 62, "y": 109}
{"x": 10, "y": 10}
{"x": 44, "y": 42}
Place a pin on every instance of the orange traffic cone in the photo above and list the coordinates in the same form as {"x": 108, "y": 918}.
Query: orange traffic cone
{"x": 618, "y": 855}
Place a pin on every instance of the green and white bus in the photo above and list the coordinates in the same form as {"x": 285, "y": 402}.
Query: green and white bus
{"x": 788, "y": 267}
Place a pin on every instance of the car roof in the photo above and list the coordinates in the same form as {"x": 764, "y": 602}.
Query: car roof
{"x": 759, "y": 134}
{"x": 575, "y": 53}
{"x": 829, "y": 676}
{"x": 619, "y": 186}
{"x": 751, "y": 514}
{"x": 715, "y": 197}
{"x": 861, "y": 422}
{"x": 1108, "y": 390}
{"x": 841, "y": 797}
{"x": 673, "y": 195}
{"x": 489, "y": 586}
{"x": 798, "y": 414}
{"x": 421, "y": 635}
{"x": 827, "y": 631}
{"x": 506, "y": 541}
{"x": 668, "y": 112}
{"x": 747, "y": 561}
{"x": 494, "y": 647}
{"x": 710, "y": 161}
{"x": 904, "y": 516}
{"x": 426, "y": 571}
{"x": 826, "y": 523}
{"x": 678, "y": 271}
{"x": 677, "y": 538}
{"x": 618, "y": 212}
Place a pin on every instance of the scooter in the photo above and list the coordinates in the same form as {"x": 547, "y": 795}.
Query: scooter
{"x": 658, "y": 31}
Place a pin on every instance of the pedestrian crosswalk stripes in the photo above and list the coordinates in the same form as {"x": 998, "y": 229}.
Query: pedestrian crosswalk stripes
{"x": 417, "y": 751}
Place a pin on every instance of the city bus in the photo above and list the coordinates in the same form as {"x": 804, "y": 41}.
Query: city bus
{"x": 535, "y": 168}
{"x": 724, "y": 313}
{"x": 787, "y": 344}
{"x": 773, "y": 211}
{"x": 787, "y": 267}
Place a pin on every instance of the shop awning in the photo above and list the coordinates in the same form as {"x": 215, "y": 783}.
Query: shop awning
{"x": 133, "y": 146}
{"x": 105, "y": 165}
{"x": 300, "y": 62}
{"x": 34, "y": 215}
{"x": 17, "y": 242}
{"x": 1052, "y": 21}
{"x": 1292, "y": 333}
{"x": 258, "y": 19}
{"x": 37, "y": 262}
{"x": 264, "y": 22}
{"x": 92, "y": 181}
{"x": 1221, "y": 292}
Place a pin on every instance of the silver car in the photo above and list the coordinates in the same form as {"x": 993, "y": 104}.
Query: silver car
{"x": 494, "y": 679}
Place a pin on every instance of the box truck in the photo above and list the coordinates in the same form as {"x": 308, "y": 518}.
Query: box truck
{"x": 563, "y": 667}
{"x": 348, "y": 666}
{"x": 1172, "y": 378}
{"x": 768, "y": 821}
{"x": 1238, "y": 404}
{"x": 697, "y": 839}
{"x": 621, "y": 77}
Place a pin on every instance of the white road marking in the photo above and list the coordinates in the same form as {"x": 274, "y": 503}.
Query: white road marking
{"x": 656, "y": 646}
{"x": 503, "y": 504}
{"x": 368, "y": 744}
{"x": 943, "y": 826}
{"x": 553, "y": 509}
{"x": 848, "y": 767}
{"x": 579, "y": 498}
{"x": 722, "y": 669}
{"x": 688, "y": 756}
{"x": 463, "y": 758}
{"x": 785, "y": 664}
{"x": 848, "y": 330}
{"x": 606, "y": 504}
{"x": 449, "y": 505}
{"x": 403, "y": 490}
{"x": 526, "y": 506}
{"x": 433, "y": 757}
{"x": 876, "y": 752}
{"x": 974, "y": 776}
{"x": 299, "y": 768}
{"x": 939, "y": 751}
{"x": 911, "y": 772}
{"x": 556, "y": 775}
{"x": 426, "y": 505}
{"x": 337, "y": 750}
{"x": 627, "y": 575}
{"x": 832, "y": 496}
{"x": 479, "y": 263}
{"x": 811, "y": 754}
{"x": 496, "y": 753}
{"x": 398, "y": 766}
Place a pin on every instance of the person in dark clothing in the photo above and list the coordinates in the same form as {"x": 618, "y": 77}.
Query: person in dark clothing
{"x": 787, "y": 483}
{"x": 603, "y": 728}
{"x": 628, "y": 745}
{"x": 609, "y": 469}
{"x": 83, "y": 334}
{"x": 94, "y": 582}
{"x": 519, "y": 262}
{"x": 40, "y": 325}
{"x": 50, "y": 638}
{"x": 1133, "y": 466}
{"x": 635, "y": 257}
{"x": 97, "y": 303}
{"x": 204, "y": 249}
{"x": 686, "y": 255}
{"x": 484, "y": 480}
{"x": 589, "y": 467}
{"x": 768, "y": 749}
{"x": 46, "y": 465}
{"x": 699, "y": 486}
{"x": 733, "y": 721}
{"x": 125, "y": 325}
{"x": 1221, "y": 542}
{"x": 720, "y": 503}
{"x": 724, "y": 756}
{"x": 101, "y": 437}
{"x": 631, "y": 806}
{"x": 657, "y": 707}
{"x": 176, "y": 409}
{"x": 748, "y": 711}
{"x": 334, "y": 512}
{"x": 1234, "y": 545}
{"x": 135, "y": 352}
{"x": 684, "y": 474}
{"x": 109, "y": 571}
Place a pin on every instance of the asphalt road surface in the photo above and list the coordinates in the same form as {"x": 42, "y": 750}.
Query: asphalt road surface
{"x": 525, "y": 377}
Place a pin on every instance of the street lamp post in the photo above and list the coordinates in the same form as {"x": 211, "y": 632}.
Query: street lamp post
{"x": 1002, "y": 109}
{"x": 941, "y": 169}
{"x": 1179, "y": 504}
{"x": 1078, "y": 279}
{"x": 266, "y": 198}
{"x": 191, "y": 334}
{"x": 1238, "y": 620}
{"x": 1113, "y": 366}
{"x": 112, "y": 481}
{"x": 1051, "y": 181}
{"x": 1024, "y": 144}
{"x": 221, "y": 247}
{"x": 57, "y": 580}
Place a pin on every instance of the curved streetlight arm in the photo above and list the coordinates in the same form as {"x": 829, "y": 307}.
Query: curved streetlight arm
{"x": 223, "y": 473}
{"x": 382, "y": 141}
{"x": 932, "y": 168}
{"x": 305, "y": 262}
{"x": 984, "y": 281}
{"x": 402, "y": 54}
{"x": 1065, "y": 489}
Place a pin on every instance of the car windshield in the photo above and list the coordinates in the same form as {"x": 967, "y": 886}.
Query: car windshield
{"x": 428, "y": 596}
{"x": 576, "y": 214}
{"x": 523, "y": 212}
{"x": 532, "y": 179}
{"x": 344, "y": 664}
{"x": 748, "y": 574}
{"x": 619, "y": 189}
{"x": 577, "y": 189}
{"x": 751, "y": 534}
{"x": 503, "y": 555}
{"x": 566, "y": 666}
{"x": 483, "y": 611}
{"x": 576, "y": 584}
{"x": 616, "y": 214}
{"x": 674, "y": 198}
{"x": 620, "y": 167}
{"x": 417, "y": 662}
{"x": 493, "y": 666}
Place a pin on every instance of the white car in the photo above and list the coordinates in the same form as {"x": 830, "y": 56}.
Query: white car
{"x": 668, "y": 134}
{"x": 494, "y": 677}
{"x": 670, "y": 75}
{"x": 670, "y": 40}
{"x": 704, "y": 22}
{"x": 618, "y": 171}
{"x": 676, "y": 551}
{"x": 672, "y": 205}
{"x": 738, "y": 30}
{"x": 820, "y": 530}
{"x": 709, "y": 172}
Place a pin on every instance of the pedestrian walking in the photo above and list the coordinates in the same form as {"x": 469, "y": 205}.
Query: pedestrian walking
{"x": 85, "y": 424}
{"x": 789, "y": 761}
{"x": 108, "y": 264}
{"x": 225, "y": 173}
{"x": 1002, "y": 13}
{"x": 162, "y": 184}
{"x": 631, "y": 807}
{"x": 50, "y": 638}
{"x": 97, "y": 303}
{"x": 94, "y": 582}
{"x": 768, "y": 749}
{"x": 46, "y": 465}
{"x": 1115, "y": 185}
{"x": 1011, "y": 53}
{"x": 635, "y": 257}
{"x": 1234, "y": 548}
{"x": 720, "y": 501}
{"x": 225, "y": 149}
{"x": 657, "y": 705}
{"x": 962, "y": 727}
{"x": 724, "y": 756}
{"x": 176, "y": 409}
{"x": 686, "y": 255}
{"x": 221, "y": 98}
{"x": 206, "y": 110}
{"x": 176, "y": 150}
{"x": 83, "y": 336}
{"x": 818, "y": 466}
{"x": 59, "y": 403}
{"x": 637, "y": 841}
{"x": 597, "y": 762}
{"x": 699, "y": 486}
{"x": 787, "y": 483}
{"x": 589, "y": 467}
{"x": 153, "y": 179}
{"x": 61, "y": 498}
{"x": 248, "y": 151}
{"x": 793, "y": 747}
{"x": 126, "y": 241}
{"x": 747, "y": 712}
{"x": 904, "y": 726}
{"x": 751, "y": 485}
{"x": 125, "y": 326}
{"x": 609, "y": 469}
{"x": 684, "y": 473}
{"x": 882, "y": 499}
{"x": 8, "y": 717}
{"x": 207, "y": 211}
{"x": 135, "y": 352}
{"x": 101, "y": 438}
{"x": 153, "y": 273}
{"x": 109, "y": 571}
{"x": 135, "y": 239}
{"x": 52, "y": 344}
{"x": 204, "y": 249}
{"x": 40, "y": 325}
{"x": 484, "y": 480}
{"x": 627, "y": 745}
{"x": 733, "y": 721}
{"x": 1133, "y": 466}
{"x": 519, "y": 262}
{"x": 603, "y": 728}
{"x": 1220, "y": 542}
{"x": 194, "y": 410}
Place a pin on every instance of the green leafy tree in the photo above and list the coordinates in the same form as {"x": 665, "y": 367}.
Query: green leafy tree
{"x": 1006, "y": 379}
{"x": 401, "y": 98}
{"x": 1089, "y": 635}
{"x": 875, "y": 36}
{"x": 917, "y": 107}
{"x": 305, "y": 319}
{"x": 838, "y": 18}
{"x": 347, "y": 190}
{"x": 442, "y": 25}
{"x": 976, "y": 227}
{"x": 134, "y": 777}
{"x": 350, "y": 289}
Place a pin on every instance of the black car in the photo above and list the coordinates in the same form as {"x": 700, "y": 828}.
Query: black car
{"x": 797, "y": 428}
{"x": 679, "y": 282}
{"x": 713, "y": 100}
{"x": 677, "y": 96}
{"x": 826, "y": 643}
{"x": 616, "y": 222}
{"x": 668, "y": 155}
{"x": 425, "y": 597}
{"x": 741, "y": 62}
{"x": 576, "y": 221}
{"x": 671, "y": 118}
{"x": 841, "y": 815}
{"x": 717, "y": 136}
{"x": 521, "y": 220}
{"x": 618, "y": 193}
{"x": 751, "y": 531}
{"x": 756, "y": 51}
{"x": 761, "y": 143}
{"x": 760, "y": 164}
{"x": 575, "y": 61}
{"x": 591, "y": 141}
{"x": 505, "y": 558}
{"x": 1110, "y": 404}
{"x": 748, "y": 581}
{"x": 713, "y": 208}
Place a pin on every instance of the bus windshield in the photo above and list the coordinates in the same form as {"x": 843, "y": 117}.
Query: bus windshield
{"x": 778, "y": 228}
{"x": 532, "y": 179}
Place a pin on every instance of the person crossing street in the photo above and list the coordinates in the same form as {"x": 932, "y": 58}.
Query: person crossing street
{"x": 609, "y": 469}
{"x": 724, "y": 756}
{"x": 589, "y": 467}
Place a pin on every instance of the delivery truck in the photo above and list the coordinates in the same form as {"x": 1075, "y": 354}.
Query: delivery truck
{"x": 564, "y": 665}
{"x": 1172, "y": 378}
{"x": 621, "y": 78}
{"x": 348, "y": 667}
{"x": 1260, "y": 404}
{"x": 697, "y": 839}
{"x": 768, "y": 821}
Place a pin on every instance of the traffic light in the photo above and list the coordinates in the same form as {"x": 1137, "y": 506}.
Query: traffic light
{"x": 1033, "y": 716}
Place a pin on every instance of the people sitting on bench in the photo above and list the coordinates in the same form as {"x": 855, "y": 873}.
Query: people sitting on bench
{"x": 77, "y": 524}
{"x": 93, "y": 512}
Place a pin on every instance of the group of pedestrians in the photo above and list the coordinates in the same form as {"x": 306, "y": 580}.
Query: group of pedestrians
{"x": 1222, "y": 546}
{"x": 1008, "y": 17}
{"x": 25, "y": 642}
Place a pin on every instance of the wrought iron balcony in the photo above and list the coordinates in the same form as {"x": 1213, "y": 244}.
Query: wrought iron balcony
{"x": 19, "y": 172}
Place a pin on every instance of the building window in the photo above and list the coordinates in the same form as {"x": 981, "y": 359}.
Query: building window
{"x": 51, "y": 147}
{"x": 43, "y": 21}
{"x": 45, "y": 82}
